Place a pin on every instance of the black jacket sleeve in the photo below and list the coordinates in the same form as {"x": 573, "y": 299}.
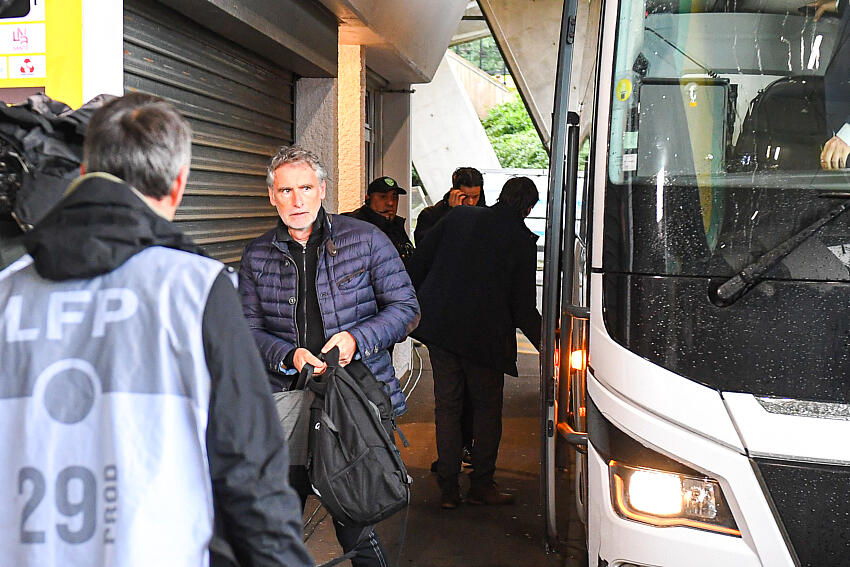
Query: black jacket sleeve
{"x": 258, "y": 510}
{"x": 523, "y": 295}
{"x": 426, "y": 220}
{"x": 422, "y": 261}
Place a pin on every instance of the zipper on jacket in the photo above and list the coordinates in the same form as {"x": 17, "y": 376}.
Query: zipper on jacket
{"x": 295, "y": 307}
{"x": 304, "y": 266}
{"x": 350, "y": 277}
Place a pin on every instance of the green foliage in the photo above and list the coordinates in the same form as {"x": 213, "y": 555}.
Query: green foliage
{"x": 514, "y": 138}
{"x": 584, "y": 154}
{"x": 483, "y": 53}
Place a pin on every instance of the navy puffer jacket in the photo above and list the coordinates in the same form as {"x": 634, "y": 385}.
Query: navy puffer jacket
{"x": 362, "y": 288}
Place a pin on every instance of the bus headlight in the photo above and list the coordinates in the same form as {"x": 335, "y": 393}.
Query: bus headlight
{"x": 664, "y": 499}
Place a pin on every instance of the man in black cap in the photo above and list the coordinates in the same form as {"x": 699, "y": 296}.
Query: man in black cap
{"x": 381, "y": 208}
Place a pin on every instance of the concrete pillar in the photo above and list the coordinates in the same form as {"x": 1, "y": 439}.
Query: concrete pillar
{"x": 351, "y": 100}
{"x": 395, "y": 162}
{"x": 395, "y": 142}
{"x": 316, "y": 128}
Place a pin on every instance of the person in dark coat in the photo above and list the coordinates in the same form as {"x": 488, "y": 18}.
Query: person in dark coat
{"x": 381, "y": 209}
{"x": 319, "y": 281}
{"x": 467, "y": 189}
{"x": 475, "y": 278}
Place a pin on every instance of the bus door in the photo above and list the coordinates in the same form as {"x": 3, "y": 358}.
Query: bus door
{"x": 562, "y": 356}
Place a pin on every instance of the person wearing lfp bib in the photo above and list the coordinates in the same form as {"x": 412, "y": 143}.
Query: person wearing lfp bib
{"x": 135, "y": 406}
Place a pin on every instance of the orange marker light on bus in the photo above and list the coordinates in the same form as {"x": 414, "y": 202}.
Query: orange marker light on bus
{"x": 578, "y": 360}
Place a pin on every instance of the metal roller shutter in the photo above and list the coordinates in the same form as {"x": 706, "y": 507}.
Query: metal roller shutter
{"x": 241, "y": 108}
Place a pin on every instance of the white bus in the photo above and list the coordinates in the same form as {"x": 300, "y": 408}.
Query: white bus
{"x": 695, "y": 367}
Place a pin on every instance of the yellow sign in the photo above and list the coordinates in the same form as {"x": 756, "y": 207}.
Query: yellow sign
{"x": 624, "y": 89}
{"x": 42, "y": 51}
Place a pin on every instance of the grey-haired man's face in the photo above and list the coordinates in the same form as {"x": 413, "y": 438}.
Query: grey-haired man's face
{"x": 297, "y": 195}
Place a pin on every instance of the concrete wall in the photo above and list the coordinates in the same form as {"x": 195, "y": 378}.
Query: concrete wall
{"x": 484, "y": 91}
{"x": 447, "y": 133}
{"x": 395, "y": 147}
{"x": 395, "y": 144}
{"x": 528, "y": 33}
{"x": 316, "y": 126}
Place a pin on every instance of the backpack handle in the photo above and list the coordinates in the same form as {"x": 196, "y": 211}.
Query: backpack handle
{"x": 304, "y": 376}
{"x": 331, "y": 357}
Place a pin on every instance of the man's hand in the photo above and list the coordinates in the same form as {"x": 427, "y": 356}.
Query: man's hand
{"x": 834, "y": 154}
{"x": 456, "y": 197}
{"x": 347, "y": 346}
{"x": 823, "y": 6}
{"x": 303, "y": 356}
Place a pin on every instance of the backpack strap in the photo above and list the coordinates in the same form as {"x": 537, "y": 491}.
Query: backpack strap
{"x": 331, "y": 358}
{"x": 340, "y": 559}
{"x": 304, "y": 376}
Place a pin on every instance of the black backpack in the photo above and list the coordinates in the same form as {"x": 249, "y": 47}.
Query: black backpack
{"x": 353, "y": 463}
{"x": 785, "y": 127}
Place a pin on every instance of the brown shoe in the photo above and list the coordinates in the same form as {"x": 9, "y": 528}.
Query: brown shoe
{"x": 488, "y": 495}
{"x": 450, "y": 500}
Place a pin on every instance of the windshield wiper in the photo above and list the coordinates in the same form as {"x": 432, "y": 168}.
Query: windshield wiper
{"x": 736, "y": 286}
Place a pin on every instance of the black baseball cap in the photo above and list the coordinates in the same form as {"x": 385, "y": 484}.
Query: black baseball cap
{"x": 385, "y": 185}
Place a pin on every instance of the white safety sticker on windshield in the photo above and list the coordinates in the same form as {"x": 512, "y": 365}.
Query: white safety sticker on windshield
{"x": 630, "y": 140}
{"x": 692, "y": 94}
{"x": 630, "y": 162}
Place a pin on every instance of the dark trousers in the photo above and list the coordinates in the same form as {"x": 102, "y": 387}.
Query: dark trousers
{"x": 454, "y": 378}
{"x": 370, "y": 552}
{"x": 466, "y": 421}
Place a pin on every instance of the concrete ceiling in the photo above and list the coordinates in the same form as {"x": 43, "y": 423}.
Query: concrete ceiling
{"x": 404, "y": 41}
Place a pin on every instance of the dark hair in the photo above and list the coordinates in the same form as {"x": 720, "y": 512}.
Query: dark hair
{"x": 140, "y": 138}
{"x": 291, "y": 155}
{"x": 520, "y": 194}
{"x": 468, "y": 177}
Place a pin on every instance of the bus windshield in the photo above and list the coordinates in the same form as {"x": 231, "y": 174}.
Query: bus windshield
{"x": 726, "y": 242}
{"x": 720, "y": 112}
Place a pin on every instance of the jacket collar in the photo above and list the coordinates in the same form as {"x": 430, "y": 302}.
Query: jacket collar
{"x": 98, "y": 225}
{"x": 514, "y": 217}
{"x": 323, "y": 225}
{"x": 282, "y": 232}
{"x": 377, "y": 219}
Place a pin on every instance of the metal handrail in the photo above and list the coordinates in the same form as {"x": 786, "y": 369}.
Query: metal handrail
{"x": 572, "y": 436}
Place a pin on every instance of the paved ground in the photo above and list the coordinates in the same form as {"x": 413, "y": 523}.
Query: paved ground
{"x": 470, "y": 536}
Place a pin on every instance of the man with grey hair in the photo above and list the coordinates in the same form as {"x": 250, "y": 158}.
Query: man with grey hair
{"x": 319, "y": 281}
{"x": 139, "y": 397}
